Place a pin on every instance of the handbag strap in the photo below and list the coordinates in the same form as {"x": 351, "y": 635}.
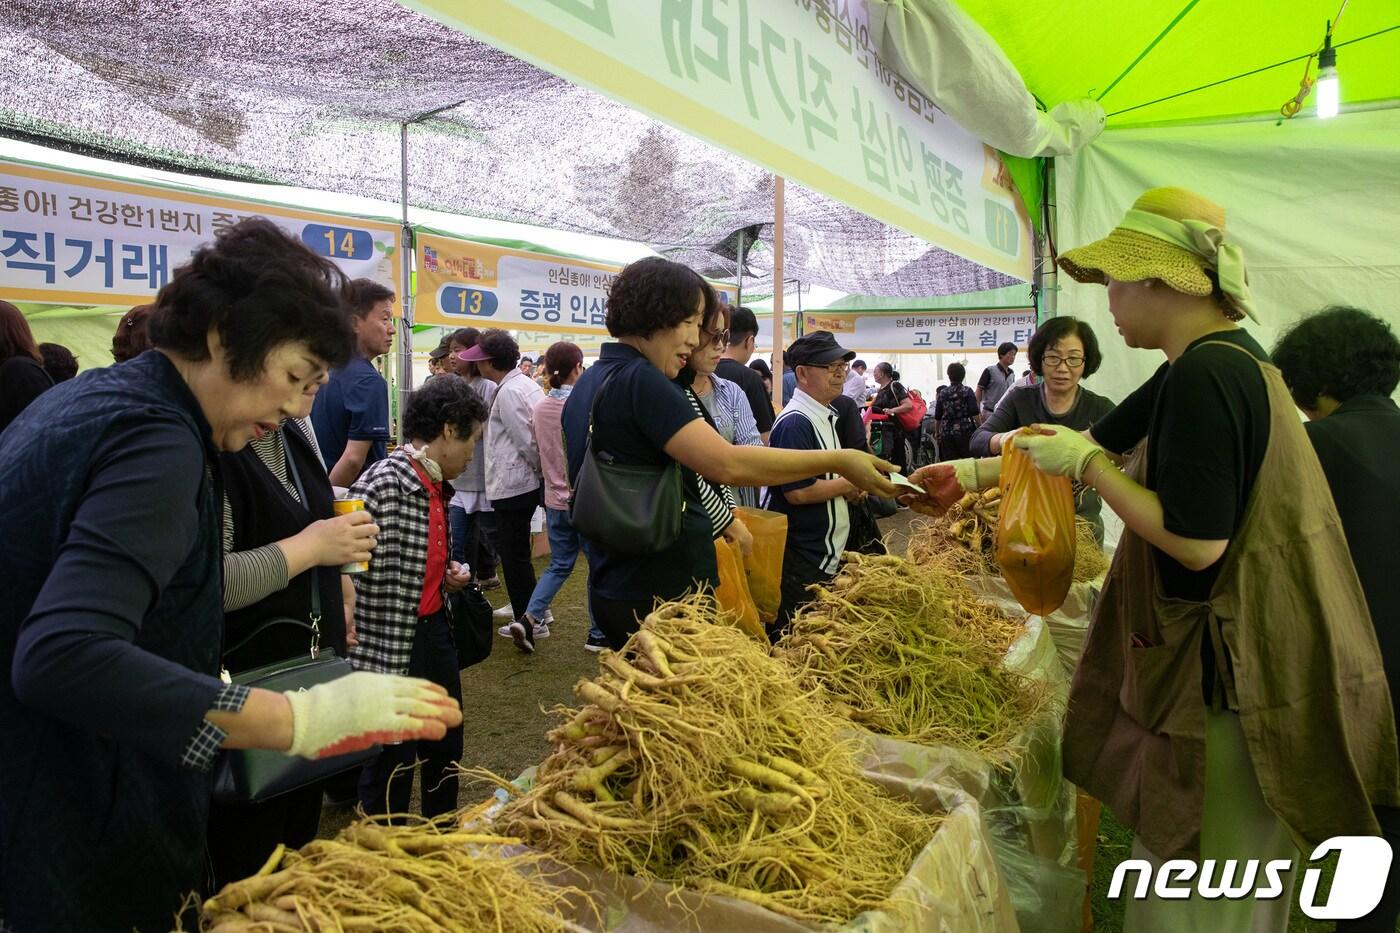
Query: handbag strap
{"x": 315, "y": 616}
{"x": 315, "y": 571}
{"x": 593, "y": 406}
{"x": 588, "y": 448}
{"x": 315, "y": 634}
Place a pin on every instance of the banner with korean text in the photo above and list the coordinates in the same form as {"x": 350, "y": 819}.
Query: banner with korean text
{"x": 952, "y": 332}
{"x": 74, "y": 238}
{"x": 795, "y": 86}
{"x": 465, "y": 283}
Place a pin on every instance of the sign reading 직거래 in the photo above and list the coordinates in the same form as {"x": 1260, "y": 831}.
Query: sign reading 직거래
{"x": 69, "y": 237}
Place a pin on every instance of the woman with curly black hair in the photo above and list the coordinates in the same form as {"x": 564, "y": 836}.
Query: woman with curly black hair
{"x": 112, "y": 710}
{"x": 1341, "y": 366}
{"x": 401, "y": 620}
{"x": 638, "y": 416}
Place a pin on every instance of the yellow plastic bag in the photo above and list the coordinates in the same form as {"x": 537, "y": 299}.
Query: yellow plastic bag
{"x": 765, "y": 565}
{"x": 1035, "y": 533}
{"x": 732, "y": 594}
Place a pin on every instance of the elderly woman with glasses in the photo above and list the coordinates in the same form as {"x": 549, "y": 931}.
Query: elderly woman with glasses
{"x": 1063, "y": 351}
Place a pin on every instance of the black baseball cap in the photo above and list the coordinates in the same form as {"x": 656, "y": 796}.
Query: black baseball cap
{"x": 819, "y": 348}
{"x": 438, "y": 352}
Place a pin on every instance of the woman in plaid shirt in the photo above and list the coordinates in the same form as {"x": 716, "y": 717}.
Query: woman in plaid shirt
{"x": 401, "y": 618}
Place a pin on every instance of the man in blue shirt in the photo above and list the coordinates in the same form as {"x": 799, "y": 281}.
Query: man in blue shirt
{"x": 818, "y": 516}
{"x": 351, "y": 414}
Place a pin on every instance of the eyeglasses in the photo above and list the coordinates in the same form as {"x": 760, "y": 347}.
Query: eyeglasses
{"x": 1053, "y": 361}
{"x": 832, "y": 369}
{"x": 718, "y": 338}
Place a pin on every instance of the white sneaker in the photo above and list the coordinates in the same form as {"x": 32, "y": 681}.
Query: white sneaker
{"x": 524, "y": 642}
{"x": 541, "y": 627}
{"x": 505, "y": 612}
{"x": 548, "y": 617}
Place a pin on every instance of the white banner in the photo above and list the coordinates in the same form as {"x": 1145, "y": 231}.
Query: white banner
{"x": 792, "y": 85}
{"x": 953, "y": 332}
{"x": 67, "y": 237}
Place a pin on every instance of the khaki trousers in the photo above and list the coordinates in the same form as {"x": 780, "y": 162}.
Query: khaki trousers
{"x": 1237, "y": 824}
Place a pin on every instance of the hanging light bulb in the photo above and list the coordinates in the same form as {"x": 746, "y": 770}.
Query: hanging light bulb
{"x": 1329, "y": 91}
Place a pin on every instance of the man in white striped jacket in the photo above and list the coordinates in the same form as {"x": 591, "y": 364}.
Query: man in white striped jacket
{"x": 818, "y": 516}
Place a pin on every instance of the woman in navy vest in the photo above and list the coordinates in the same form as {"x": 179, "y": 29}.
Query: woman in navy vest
{"x": 111, "y": 705}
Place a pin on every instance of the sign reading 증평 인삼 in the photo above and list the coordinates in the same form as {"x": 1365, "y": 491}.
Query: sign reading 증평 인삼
{"x": 926, "y": 332}
{"x": 793, "y": 85}
{"x": 69, "y": 237}
{"x": 465, "y": 283}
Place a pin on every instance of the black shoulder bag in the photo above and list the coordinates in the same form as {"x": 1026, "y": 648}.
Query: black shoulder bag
{"x": 249, "y": 775}
{"x": 473, "y": 628}
{"x": 626, "y": 509}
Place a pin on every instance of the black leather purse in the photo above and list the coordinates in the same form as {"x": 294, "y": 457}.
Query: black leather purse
{"x": 249, "y": 775}
{"x": 626, "y": 509}
{"x": 472, "y": 625}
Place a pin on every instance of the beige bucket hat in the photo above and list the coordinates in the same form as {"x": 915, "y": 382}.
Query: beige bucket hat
{"x": 1174, "y": 235}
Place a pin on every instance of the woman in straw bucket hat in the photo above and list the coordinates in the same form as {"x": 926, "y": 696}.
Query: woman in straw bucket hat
{"x": 1230, "y": 702}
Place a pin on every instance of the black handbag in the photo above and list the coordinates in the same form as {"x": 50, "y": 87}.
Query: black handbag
{"x": 249, "y": 775}
{"x": 626, "y": 509}
{"x": 472, "y": 625}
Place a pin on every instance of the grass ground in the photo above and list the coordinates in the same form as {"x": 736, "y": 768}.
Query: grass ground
{"x": 506, "y": 698}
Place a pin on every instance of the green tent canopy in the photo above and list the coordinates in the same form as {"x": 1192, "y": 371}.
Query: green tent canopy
{"x": 1138, "y": 57}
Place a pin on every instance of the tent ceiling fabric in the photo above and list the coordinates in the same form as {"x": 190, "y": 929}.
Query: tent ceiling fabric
{"x": 312, "y": 94}
{"x": 1075, "y": 48}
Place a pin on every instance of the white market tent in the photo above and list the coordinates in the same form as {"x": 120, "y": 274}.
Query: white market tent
{"x": 1192, "y": 93}
{"x": 277, "y": 91}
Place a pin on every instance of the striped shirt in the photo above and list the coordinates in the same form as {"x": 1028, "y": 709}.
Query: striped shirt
{"x": 719, "y": 503}
{"x": 733, "y": 417}
{"x": 818, "y": 531}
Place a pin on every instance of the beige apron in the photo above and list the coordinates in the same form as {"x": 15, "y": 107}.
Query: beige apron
{"x": 1307, "y": 680}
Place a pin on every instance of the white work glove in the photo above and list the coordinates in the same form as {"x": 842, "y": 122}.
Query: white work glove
{"x": 977, "y": 473}
{"x": 1057, "y": 450}
{"x": 363, "y": 709}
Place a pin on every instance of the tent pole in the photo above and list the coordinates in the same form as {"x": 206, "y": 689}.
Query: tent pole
{"x": 1049, "y": 304}
{"x": 778, "y": 292}
{"x": 739, "y": 292}
{"x": 404, "y": 359}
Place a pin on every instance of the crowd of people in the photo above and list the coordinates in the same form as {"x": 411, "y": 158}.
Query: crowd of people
{"x": 169, "y": 524}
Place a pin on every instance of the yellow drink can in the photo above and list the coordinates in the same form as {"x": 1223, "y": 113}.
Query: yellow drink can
{"x": 345, "y": 507}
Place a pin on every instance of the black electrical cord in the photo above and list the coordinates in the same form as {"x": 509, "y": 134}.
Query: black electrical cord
{"x": 1296, "y": 58}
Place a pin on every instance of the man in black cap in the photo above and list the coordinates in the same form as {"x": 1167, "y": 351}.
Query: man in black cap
{"x": 818, "y": 517}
